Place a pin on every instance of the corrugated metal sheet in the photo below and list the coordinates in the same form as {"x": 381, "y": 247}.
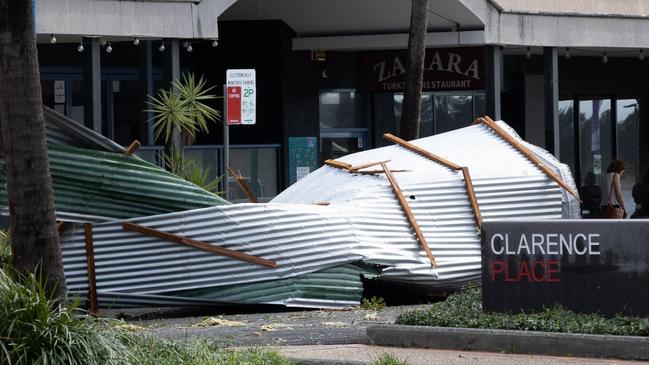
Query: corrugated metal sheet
{"x": 62, "y": 130}
{"x": 363, "y": 222}
{"x": 92, "y": 186}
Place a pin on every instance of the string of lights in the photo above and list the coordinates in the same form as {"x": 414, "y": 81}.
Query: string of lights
{"x": 108, "y": 47}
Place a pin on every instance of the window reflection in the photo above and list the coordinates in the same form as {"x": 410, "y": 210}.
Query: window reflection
{"x": 340, "y": 108}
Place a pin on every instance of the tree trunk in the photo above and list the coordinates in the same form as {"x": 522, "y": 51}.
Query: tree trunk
{"x": 415, "y": 74}
{"x": 34, "y": 235}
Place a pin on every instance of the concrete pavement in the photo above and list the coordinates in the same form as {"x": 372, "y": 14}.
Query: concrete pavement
{"x": 365, "y": 354}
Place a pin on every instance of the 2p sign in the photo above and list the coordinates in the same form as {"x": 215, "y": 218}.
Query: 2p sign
{"x": 241, "y": 97}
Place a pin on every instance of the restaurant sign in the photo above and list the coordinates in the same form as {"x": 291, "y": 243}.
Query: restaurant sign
{"x": 444, "y": 69}
{"x": 588, "y": 266}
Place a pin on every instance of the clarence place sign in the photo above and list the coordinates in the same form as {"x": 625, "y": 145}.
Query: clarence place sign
{"x": 590, "y": 266}
{"x": 444, "y": 69}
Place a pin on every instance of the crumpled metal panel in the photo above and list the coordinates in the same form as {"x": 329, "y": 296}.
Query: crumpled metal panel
{"x": 92, "y": 186}
{"x": 363, "y": 223}
{"x": 62, "y": 130}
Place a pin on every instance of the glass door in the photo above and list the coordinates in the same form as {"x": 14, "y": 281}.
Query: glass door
{"x": 628, "y": 113}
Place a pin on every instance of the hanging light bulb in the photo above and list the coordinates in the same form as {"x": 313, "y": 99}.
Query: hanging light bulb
{"x": 605, "y": 58}
{"x": 53, "y": 39}
{"x": 162, "y": 47}
{"x": 215, "y": 43}
{"x": 567, "y": 53}
{"x": 109, "y": 48}
{"x": 136, "y": 42}
{"x": 528, "y": 53}
{"x": 189, "y": 48}
{"x": 641, "y": 55}
{"x": 80, "y": 47}
{"x": 186, "y": 44}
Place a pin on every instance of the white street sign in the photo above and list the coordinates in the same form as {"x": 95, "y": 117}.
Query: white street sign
{"x": 246, "y": 81}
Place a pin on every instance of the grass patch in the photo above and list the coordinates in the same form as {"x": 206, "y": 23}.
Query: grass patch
{"x": 464, "y": 309}
{"x": 389, "y": 359}
{"x": 373, "y": 303}
{"x": 36, "y": 330}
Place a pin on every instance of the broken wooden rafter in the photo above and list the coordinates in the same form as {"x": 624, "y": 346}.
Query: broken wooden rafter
{"x": 409, "y": 215}
{"x": 243, "y": 184}
{"x": 468, "y": 183}
{"x": 364, "y": 166}
{"x": 528, "y": 154}
{"x": 198, "y": 244}
{"x": 132, "y": 148}
{"x": 338, "y": 164}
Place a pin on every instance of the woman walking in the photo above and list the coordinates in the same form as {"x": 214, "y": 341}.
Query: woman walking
{"x": 612, "y": 200}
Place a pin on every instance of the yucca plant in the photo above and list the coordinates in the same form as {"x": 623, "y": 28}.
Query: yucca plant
{"x": 183, "y": 107}
{"x": 191, "y": 170}
{"x": 5, "y": 250}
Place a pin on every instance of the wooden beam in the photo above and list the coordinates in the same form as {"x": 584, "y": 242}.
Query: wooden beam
{"x": 198, "y": 244}
{"x": 243, "y": 184}
{"x": 364, "y": 166}
{"x": 421, "y": 151}
{"x": 468, "y": 183}
{"x": 132, "y": 148}
{"x": 62, "y": 226}
{"x": 375, "y": 172}
{"x": 90, "y": 263}
{"x": 529, "y": 155}
{"x": 338, "y": 164}
{"x": 408, "y": 212}
{"x": 321, "y": 203}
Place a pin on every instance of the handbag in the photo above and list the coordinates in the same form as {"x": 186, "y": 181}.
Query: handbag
{"x": 612, "y": 211}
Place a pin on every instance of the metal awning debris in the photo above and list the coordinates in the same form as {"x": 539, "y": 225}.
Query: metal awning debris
{"x": 321, "y": 233}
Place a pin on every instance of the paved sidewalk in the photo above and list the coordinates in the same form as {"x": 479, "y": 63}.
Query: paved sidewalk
{"x": 307, "y": 327}
{"x": 358, "y": 354}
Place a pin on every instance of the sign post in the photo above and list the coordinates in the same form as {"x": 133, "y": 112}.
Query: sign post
{"x": 240, "y": 107}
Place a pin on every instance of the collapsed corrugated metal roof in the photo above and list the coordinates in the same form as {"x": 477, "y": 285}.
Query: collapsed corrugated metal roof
{"x": 98, "y": 182}
{"x": 448, "y": 183}
{"x": 99, "y": 186}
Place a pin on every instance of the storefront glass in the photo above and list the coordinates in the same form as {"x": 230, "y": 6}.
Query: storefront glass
{"x": 627, "y": 146}
{"x": 340, "y": 108}
{"x": 567, "y": 134}
{"x": 595, "y": 137}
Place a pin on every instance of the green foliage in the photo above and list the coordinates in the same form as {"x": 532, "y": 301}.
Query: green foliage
{"x": 191, "y": 170}
{"x": 389, "y": 359}
{"x": 183, "y": 107}
{"x": 373, "y": 303}
{"x": 35, "y": 330}
{"x": 464, "y": 309}
{"x": 5, "y": 250}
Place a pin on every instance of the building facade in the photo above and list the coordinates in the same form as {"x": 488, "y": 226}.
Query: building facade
{"x": 568, "y": 76}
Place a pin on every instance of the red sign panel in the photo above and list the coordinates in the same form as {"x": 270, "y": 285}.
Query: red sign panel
{"x": 444, "y": 69}
{"x": 234, "y": 105}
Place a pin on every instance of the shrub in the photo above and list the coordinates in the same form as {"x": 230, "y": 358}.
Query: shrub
{"x": 5, "y": 250}
{"x": 464, "y": 309}
{"x": 36, "y": 330}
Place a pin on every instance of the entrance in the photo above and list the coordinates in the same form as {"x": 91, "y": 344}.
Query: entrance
{"x": 594, "y": 131}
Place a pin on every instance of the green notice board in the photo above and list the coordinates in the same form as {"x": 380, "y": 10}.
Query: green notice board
{"x": 302, "y": 157}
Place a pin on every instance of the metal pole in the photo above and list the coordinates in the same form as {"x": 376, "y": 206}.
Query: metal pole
{"x": 226, "y": 144}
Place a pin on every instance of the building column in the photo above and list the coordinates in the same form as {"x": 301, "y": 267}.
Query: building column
{"x": 551, "y": 99}
{"x": 146, "y": 88}
{"x": 92, "y": 84}
{"x": 493, "y": 78}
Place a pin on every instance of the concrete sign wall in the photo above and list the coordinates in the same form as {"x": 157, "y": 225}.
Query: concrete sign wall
{"x": 591, "y": 266}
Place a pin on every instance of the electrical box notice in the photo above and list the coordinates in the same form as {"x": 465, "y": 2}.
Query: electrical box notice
{"x": 241, "y": 97}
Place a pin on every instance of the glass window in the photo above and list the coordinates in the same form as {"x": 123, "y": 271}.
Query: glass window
{"x": 259, "y": 167}
{"x": 628, "y": 113}
{"x": 126, "y": 111}
{"x": 452, "y": 112}
{"x": 595, "y": 135}
{"x": 567, "y": 133}
{"x": 479, "y": 105}
{"x": 426, "y": 126}
{"x": 340, "y": 108}
{"x": 77, "y": 108}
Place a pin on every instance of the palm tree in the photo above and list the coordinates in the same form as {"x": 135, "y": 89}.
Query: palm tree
{"x": 414, "y": 77}
{"x": 33, "y": 231}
